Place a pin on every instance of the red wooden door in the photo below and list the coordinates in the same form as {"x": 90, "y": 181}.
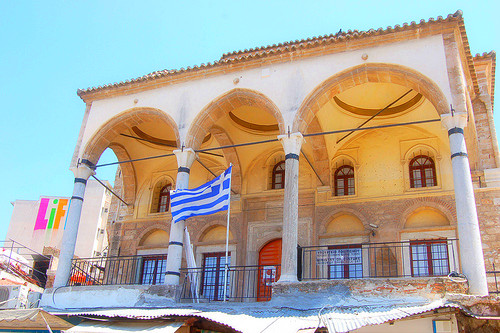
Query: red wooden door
{"x": 269, "y": 269}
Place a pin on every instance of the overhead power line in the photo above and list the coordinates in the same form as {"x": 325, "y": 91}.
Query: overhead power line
{"x": 418, "y": 122}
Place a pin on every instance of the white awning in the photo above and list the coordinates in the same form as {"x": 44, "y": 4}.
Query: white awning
{"x": 126, "y": 326}
{"x": 31, "y": 319}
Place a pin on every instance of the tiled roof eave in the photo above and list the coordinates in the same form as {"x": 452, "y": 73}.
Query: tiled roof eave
{"x": 230, "y": 59}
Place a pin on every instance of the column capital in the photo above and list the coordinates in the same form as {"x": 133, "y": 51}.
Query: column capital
{"x": 185, "y": 157}
{"x": 291, "y": 142}
{"x": 82, "y": 170}
{"x": 455, "y": 120}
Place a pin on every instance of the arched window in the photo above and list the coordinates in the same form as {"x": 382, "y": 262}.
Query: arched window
{"x": 422, "y": 172}
{"x": 160, "y": 200}
{"x": 164, "y": 199}
{"x": 344, "y": 180}
{"x": 278, "y": 177}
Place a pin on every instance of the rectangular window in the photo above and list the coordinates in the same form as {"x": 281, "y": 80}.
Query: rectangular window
{"x": 429, "y": 258}
{"x": 345, "y": 262}
{"x": 212, "y": 280}
{"x": 153, "y": 269}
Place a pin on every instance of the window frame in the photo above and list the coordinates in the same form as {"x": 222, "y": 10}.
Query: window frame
{"x": 215, "y": 294}
{"x": 275, "y": 172}
{"x": 430, "y": 260}
{"x": 422, "y": 168}
{"x": 164, "y": 192}
{"x": 345, "y": 180}
{"x": 157, "y": 259}
{"x": 346, "y": 266}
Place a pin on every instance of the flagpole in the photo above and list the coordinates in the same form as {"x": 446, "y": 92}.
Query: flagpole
{"x": 227, "y": 234}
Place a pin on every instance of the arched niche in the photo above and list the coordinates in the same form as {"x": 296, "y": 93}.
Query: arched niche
{"x": 426, "y": 217}
{"x": 216, "y": 234}
{"x": 345, "y": 224}
{"x": 155, "y": 239}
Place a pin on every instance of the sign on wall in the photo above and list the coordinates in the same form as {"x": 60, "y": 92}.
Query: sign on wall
{"x": 51, "y": 213}
{"x": 339, "y": 256}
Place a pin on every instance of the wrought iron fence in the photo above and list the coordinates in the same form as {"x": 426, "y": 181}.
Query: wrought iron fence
{"x": 437, "y": 257}
{"x": 242, "y": 283}
{"x": 493, "y": 279}
{"x": 118, "y": 270}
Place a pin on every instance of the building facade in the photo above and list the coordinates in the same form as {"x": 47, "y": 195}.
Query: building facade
{"x": 366, "y": 161}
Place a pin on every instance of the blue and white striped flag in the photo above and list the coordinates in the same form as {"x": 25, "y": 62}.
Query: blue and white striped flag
{"x": 207, "y": 199}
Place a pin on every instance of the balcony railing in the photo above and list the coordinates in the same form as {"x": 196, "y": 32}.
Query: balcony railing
{"x": 422, "y": 258}
{"x": 118, "y": 270}
{"x": 243, "y": 283}
{"x": 24, "y": 262}
{"x": 436, "y": 257}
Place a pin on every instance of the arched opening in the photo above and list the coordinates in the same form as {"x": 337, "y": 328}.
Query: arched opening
{"x": 238, "y": 116}
{"x": 131, "y": 135}
{"x": 367, "y": 74}
{"x": 371, "y": 95}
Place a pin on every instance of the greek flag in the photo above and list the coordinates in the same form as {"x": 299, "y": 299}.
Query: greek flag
{"x": 207, "y": 199}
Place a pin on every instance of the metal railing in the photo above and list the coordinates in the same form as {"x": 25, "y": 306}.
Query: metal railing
{"x": 493, "y": 277}
{"x": 23, "y": 262}
{"x": 437, "y": 257}
{"x": 243, "y": 283}
{"x": 118, "y": 270}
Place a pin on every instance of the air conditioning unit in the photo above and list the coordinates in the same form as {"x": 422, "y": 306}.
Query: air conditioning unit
{"x": 13, "y": 297}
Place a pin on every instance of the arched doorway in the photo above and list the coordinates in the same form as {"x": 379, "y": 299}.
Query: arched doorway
{"x": 269, "y": 268}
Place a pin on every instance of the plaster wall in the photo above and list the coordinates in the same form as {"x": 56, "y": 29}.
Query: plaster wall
{"x": 297, "y": 79}
{"x": 419, "y": 325}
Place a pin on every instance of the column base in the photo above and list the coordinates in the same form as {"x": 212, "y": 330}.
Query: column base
{"x": 288, "y": 278}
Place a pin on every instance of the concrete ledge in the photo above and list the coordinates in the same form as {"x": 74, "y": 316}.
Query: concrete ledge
{"x": 430, "y": 288}
{"x": 78, "y": 297}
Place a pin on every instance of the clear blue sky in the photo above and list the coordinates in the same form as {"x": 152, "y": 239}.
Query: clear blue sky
{"x": 49, "y": 49}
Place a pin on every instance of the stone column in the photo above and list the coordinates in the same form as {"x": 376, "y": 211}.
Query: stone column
{"x": 82, "y": 173}
{"x": 291, "y": 144}
{"x": 185, "y": 159}
{"x": 471, "y": 251}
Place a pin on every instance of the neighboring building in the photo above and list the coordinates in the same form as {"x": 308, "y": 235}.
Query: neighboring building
{"x": 39, "y": 226}
{"x": 369, "y": 193}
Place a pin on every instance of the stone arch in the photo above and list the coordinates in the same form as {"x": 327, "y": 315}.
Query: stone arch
{"x": 342, "y": 223}
{"x": 231, "y": 156}
{"x": 320, "y": 153}
{"x": 430, "y": 150}
{"x": 222, "y": 105}
{"x": 426, "y": 217}
{"x": 150, "y": 230}
{"x": 132, "y": 117}
{"x": 446, "y": 208}
{"x": 128, "y": 176}
{"x": 322, "y": 227}
{"x": 156, "y": 186}
{"x": 215, "y": 233}
{"x": 372, "y": 72}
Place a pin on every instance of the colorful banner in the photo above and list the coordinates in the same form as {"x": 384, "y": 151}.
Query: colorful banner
{"x": 51, "y": 213}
